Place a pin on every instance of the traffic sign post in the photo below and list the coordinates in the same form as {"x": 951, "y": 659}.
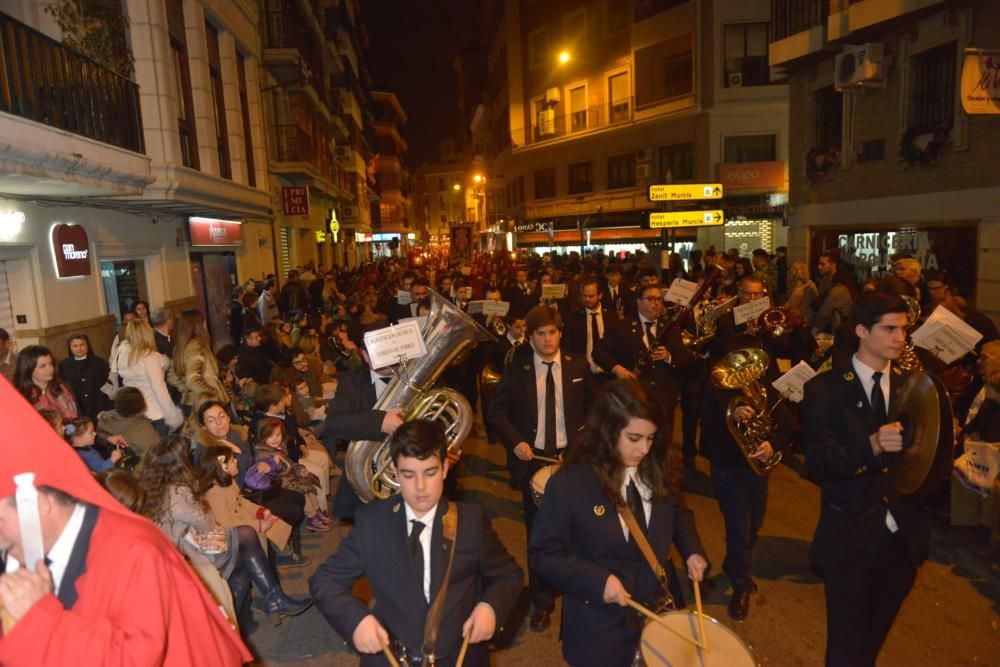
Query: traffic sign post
{"x": 675, "y": 219}
{"x": 686, "y": 192}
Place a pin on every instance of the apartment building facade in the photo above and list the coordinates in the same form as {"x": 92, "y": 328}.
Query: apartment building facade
{"x": 885, "y": 158}
{"x": 392, "y": 176}
{"x": 590, "y": 103}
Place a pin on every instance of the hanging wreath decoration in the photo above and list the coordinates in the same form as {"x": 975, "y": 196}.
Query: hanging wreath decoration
{"x": 916, "y": 148}
{"x": 819, "y": 164}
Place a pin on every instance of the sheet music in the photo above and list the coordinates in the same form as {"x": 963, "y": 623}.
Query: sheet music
{"x": 752, "y": 310}
{"x": 946, "y": 336}
{"x": 681, "y": 292}
{"x": 553, "y": 291}
{"x": 792, "y": 383}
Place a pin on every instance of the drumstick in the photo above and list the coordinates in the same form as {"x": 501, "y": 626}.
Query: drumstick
{"x": 545, "y": 459}
{"x": 465, "y": 647}
{"x": 646, "y": 612}
{"x": 701, "y": 616}
{"x": 388, "y": 654}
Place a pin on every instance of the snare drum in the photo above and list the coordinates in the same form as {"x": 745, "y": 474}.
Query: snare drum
{"x": 540, "y": 479}
{"x": 661, "y": 648}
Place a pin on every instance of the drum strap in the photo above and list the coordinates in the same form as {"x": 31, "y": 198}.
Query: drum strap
{"x": 640, "y": 539}
{"x": 449, "y": 531}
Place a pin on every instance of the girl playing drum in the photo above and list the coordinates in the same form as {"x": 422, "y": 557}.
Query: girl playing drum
{"x": 580, "y": 543}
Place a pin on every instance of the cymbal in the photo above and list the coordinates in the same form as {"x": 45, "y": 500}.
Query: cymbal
{"x": 924, "y": 410}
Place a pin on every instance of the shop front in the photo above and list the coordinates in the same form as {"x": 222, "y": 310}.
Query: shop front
{"x": 213, "y": 271}
{"x": 610, "y": 233}
{"x": 754, "y": 205}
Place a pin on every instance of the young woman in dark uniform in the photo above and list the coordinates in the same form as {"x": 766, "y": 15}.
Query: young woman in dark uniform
{"x": 582, "y": 546}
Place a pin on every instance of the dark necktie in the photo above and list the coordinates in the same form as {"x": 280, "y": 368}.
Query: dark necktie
{"x": 634, "y": 501}
{"x": 550, "y": 410}
{"x": 878, "y": 398}
{"x": 595, "y": 334}
{"x": 649, "y": 335}
{"x": 417, "y": 552}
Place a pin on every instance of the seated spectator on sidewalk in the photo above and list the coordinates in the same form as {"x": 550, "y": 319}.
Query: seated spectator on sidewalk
{"x": 36, "y": 380}
{"x": 128, "y": 419}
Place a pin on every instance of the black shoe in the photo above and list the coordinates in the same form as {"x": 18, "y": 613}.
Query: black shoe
{"x": 292, "y": 560}
{"x": 739, "y": 605}
{"x": 540, "y": 620}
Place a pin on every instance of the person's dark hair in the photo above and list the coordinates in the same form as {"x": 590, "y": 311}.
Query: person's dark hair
{"x": 135, "y": 307}
{"x": 27, "y": 359}
{"x": 760, "y": 252}
{"x": 249, "y": 299}
{"x": 79, "y": 336}
{"x": 871, "y": 306}
{"x": 895, "y": 286}
{"x": 614, "y": 268}
{"x": 591, "y": 281}
{"x": 419, "y": 281}
{"x": 418, "y": 439}
{"x": 746, "y": 265}
{"x": 542, "y": 316}
{"x": 205, "y": 407}
{"x": 129, "y": 402}
{"x": 831, "y": 256}
{"x": 166, "y": 465}
{"x": 932, "y": 276}
{"x": 268, "y": 284}
{"x": 54, "y": 419}
{"x": 211, "y": 471}
{"x": 4, "y": 336}
{"x": 124, "y": 488}
{"x": 619, "y": 403}
{"x": 268, "y": 395}
{"x": 226, "y": 354}
{"x": 238, "y": 292}
{"x": 265, "y": 428}
{"x": 293, "y": 352}
{"x": 648, "y": 272}
{"x": 75, "y": 427}
{"x": 641, "y": 292}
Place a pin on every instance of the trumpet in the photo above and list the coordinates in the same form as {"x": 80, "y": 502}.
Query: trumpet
{"x": 773, "y": 321}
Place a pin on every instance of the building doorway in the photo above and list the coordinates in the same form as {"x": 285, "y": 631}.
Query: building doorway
{"x": 214, "y": 277}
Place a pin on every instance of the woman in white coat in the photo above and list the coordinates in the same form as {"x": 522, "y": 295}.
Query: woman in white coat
{"x": 142, "y": 367}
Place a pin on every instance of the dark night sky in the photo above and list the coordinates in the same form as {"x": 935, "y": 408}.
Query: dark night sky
{"x": 412, "y": 45}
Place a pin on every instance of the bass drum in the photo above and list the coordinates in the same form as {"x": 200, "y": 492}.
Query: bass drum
{"x": 540, "y": 480}
{"x": 658, "y": 647}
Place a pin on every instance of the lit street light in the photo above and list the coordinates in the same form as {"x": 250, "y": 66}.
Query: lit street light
{"x": 564, "y": 57}
{"x": 456, "y": 187}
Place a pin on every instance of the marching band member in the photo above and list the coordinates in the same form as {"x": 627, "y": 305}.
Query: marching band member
{"x": 403, "y": 546}
{"x": 539, "y": 407}
{"x": 582, "y": 545}
{"x": 587, "y": 326}
{"x": 870, "y": 540}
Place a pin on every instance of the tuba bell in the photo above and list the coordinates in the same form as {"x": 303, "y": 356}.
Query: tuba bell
{"x": 742, "y": 369}
{"x": 447, "y": 333}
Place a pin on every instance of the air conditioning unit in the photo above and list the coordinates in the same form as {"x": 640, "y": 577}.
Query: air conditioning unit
{"x": 547, "y": 122}
{"x": 552, "y": 96}
{"x": 643, "y": 170}
{"x": 735, "y": 80}
{"x": 862, "y": 65}
{"x": 644, "y": 155}
{"x": 349, "y": 212}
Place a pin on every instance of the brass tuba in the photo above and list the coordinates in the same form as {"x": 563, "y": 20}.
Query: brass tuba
{"x": 448, "y": 332}
{"x": 742, "y": 369}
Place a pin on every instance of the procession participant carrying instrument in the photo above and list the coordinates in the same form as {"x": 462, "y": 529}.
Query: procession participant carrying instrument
{"x": 924, "y": 410}
{"x": 541, "y": 479}
{"x": 449, "y": 532}
{"x": 447, "y": 332}
{"x": 742, "y": 369}
{"x": 675, "y": 322}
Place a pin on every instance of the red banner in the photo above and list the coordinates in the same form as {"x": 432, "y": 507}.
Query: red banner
{"x": 209, "y": 231}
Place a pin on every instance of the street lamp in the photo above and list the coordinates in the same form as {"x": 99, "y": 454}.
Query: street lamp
{"x": 456, "y": 187}
{"x": 477, "y": 179}
{"x": 564, "y": 57}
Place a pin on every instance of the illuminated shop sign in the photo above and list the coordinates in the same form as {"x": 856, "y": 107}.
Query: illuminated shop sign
{"x": 212, "y": 232}
{"x": 71, "y": 249}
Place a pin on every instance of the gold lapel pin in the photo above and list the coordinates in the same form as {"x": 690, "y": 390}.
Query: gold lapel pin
{"x": 848, "y": 376}
{"x": 859, "y": 404}
{"x": 598, "y": 510}
{"x": 395, "y": 508}
{"x": 527, "y": 367}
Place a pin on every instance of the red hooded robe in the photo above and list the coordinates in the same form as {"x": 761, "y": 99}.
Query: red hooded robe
{"x": 139, "y": 603}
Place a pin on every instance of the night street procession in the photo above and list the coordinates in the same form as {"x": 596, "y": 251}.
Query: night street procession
{"x": 500, "y": 333}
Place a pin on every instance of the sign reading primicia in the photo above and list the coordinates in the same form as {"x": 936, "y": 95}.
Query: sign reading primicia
{"x": 71, "y": 249}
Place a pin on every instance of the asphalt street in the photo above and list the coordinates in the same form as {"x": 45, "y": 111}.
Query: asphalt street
{"x": 952, "y": 616}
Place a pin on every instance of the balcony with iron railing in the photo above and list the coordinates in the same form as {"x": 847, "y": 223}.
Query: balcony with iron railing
{"x": 297, "y": 156}
{"x": 44, "y": 81}
{"x": 552, "y": 123}
{"x": 797, "y": 29}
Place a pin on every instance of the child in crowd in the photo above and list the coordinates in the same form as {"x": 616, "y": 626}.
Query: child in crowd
{"x": 81, "y": 433}
{"x": 272, "y": 466}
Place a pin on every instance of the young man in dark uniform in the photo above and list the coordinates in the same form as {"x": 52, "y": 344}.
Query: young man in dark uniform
{"x": 870, "y": 540}
{"x": 403, "y": 546}
{"x": 539, "y": 408}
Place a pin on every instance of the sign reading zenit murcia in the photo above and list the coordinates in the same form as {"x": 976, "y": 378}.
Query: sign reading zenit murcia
{"x": 71, "y": 249}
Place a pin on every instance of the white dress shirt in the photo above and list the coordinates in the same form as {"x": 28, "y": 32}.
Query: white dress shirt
{"x": 425, "y": 541}
{"x": 61, "y": 551}
{"x": 594, "y": 368}
{"x": 541, "y": 370}
{"x": 866, "y": 374}
{"x": 644, "y": 492}
{"x": 380, "y": 383}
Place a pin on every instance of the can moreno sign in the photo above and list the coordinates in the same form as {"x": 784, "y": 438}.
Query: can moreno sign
{"x": 71, "y": 249}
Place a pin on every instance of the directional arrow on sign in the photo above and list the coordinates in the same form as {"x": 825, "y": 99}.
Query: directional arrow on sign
{"x": 685, "y": 192}
{"x": 674, "y": 219}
